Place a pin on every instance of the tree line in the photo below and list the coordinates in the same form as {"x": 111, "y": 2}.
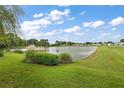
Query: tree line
{"x": 12, "y": 40}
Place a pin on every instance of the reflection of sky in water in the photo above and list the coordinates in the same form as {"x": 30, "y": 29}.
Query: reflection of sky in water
{"x": 75, "y": 52}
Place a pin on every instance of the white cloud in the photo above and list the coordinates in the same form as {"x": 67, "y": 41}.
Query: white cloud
{"x": 86, "y": 30}
{"x": 60, "y": 22}
{"x": 38, "y": 34}
{"x": 30, "y": 29}
{"x": 98, "y": 23}
{"x": 79, "y": 33}
{"x": 95, "y": 24}
{"x": 87, "y": 24}
{"x": 32, "y": 34}
{"x": 82, "y": 13}
{"x": 34, "y": 24}
{"x": 105, "y": 34}
{"x": 50, "y": 33}
{"x": 113, "y": 29}
{"x": 37, "y": 15}
{"x": 25, "y": 27}
{"x": 56, "y": 15}
{"x": 71, "y": 18}
{"x": 73, "y": 29}
{"x": 117, "y": 36}
{"x": 117, "y": 21}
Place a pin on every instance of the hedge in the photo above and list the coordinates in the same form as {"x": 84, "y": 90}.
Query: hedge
{"x": 42, "y": 58}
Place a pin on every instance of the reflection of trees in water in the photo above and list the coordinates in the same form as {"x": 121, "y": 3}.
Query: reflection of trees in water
{"x": 46, "y": 49}
{"x": 57, "y": 50}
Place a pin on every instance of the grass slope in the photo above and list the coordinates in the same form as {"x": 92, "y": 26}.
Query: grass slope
{"x": 104, "y": 69}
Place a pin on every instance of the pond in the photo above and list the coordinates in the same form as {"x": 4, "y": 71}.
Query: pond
{"x": 75, "y": 51}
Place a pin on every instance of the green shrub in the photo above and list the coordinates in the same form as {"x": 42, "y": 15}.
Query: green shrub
{"x": 42, "y": 58}
{"x": 65, "y": 58}
{"x": 50, "y": 59}
{"x": 18, "y": 51}
{"x": 30, "y": 56}
{"x": 1, "y": 53}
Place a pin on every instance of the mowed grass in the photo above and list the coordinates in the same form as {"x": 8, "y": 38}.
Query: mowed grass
{"x": 104, "y": 69}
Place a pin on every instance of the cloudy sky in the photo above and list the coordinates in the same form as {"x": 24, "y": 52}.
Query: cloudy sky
{"x": 73, "y": 23}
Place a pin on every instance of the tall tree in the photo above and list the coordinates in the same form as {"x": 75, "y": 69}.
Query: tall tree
{"x": 122, "y": 40}
{"x": 9, "y": 19}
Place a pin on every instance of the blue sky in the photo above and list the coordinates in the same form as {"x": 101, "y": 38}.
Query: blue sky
{"x": 73, "y": 23}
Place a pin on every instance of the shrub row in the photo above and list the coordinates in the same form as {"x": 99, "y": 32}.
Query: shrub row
{"x": 65, "y": 58}
{"x": 18, "y": 51}
{"x": 41, "y": 58}
{"x": 47, "y": 58}
{"x": 1, "y": 53}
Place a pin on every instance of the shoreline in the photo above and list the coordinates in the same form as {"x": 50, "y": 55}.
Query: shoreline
{"x": 89, "y": 54}
{"x": 92, "y": 53}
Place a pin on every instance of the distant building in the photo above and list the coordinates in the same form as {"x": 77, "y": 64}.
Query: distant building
{"x": 121, "y": 44}
{"x": 109, "y": 44}
{"x": 96, "y": 44}
{"x": 117, "y": 43}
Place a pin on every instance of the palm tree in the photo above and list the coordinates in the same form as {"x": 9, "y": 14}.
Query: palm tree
{"x": 9, "y": 19}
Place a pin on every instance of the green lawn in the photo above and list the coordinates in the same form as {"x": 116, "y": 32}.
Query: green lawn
{"x": 104, "y": 69}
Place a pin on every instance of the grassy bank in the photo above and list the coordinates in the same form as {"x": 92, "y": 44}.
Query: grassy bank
{"x": 104, "y": 69}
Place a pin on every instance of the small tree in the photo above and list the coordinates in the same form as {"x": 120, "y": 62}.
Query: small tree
{"x": 65, "y": 58}
{"x": 9, "y": 20}
{"x": 122, "y": 40}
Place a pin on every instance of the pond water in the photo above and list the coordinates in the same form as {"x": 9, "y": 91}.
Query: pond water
{"x": 75, "y": 51}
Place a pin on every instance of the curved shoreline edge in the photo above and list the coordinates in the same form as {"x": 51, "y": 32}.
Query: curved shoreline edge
{"x": 91, "y": 53}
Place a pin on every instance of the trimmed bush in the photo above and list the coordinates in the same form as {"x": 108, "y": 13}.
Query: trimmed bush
{"x": 18, "y": 51}
{"x": 65, "y": 58}
{"x": 1, "y": 53}
{"x": 30, "y": 56}
{"x": 50, "y": 59}
{"x": 42, "y": 58}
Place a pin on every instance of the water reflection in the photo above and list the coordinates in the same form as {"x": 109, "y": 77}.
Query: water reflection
{"x": 74, "y": 51}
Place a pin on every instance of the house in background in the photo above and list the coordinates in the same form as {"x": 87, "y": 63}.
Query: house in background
{"x": 121, "y": 43}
